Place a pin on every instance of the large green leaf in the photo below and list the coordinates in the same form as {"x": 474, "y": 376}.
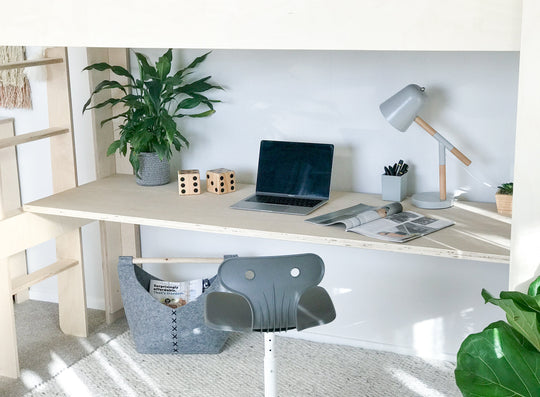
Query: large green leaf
{"x": 203, "y": 114}
{"x": 146, "y": 70}
{"x": 197, "y": 86}
{"x": 531, "y": 303}
{"x": 110, "y": 101}
{"x": 170, "y": 126}
{"x": 189, "y": 103}
{"x": 197, "y": 61}
{"x": 105, "y": 84}
{"x": 522, "y": 318}
{"x": 534, "y": 288}
{"x": 103, "y": 122}
{"x": 498, "y": 362}
{"x": 154, "y": 92}
{"x": 118, "y": 70}
{"x": 113, "y": 147}
{"x": 163, "y": 65}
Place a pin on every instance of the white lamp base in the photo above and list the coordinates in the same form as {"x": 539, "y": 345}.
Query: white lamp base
{"x": 431, "y": 200}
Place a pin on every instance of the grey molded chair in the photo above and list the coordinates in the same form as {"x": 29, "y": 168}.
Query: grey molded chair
{"x": 269, "y": 294}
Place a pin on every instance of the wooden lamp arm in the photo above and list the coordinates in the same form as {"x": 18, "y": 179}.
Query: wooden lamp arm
{"x": 431, "y": 131}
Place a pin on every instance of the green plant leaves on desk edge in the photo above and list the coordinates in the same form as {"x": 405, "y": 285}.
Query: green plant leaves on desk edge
{"x": 498, "y": 362}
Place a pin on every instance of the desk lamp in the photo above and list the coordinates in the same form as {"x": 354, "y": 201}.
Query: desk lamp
{"x": 400, "y": 110}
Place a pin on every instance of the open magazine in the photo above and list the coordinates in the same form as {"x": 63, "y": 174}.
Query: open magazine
{"x": 388, "y": 222}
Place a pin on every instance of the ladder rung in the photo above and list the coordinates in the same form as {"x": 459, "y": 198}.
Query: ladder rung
{"x": 23, "y": 282}
{"x": 30, "y": 63}
{"x": 31, "y": 136}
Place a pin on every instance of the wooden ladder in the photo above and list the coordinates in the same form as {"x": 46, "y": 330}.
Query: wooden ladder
{"x": 20, "y": 230}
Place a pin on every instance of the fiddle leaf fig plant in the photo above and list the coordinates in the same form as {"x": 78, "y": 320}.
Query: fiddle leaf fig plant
{"x": 504, "y": 359}
{"x": 152, "y": 103}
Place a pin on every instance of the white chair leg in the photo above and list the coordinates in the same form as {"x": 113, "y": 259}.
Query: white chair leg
{"x": 270, "y": 383}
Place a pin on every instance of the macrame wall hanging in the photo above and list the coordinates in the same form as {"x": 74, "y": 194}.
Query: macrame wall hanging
{"x": 14, "y": 85}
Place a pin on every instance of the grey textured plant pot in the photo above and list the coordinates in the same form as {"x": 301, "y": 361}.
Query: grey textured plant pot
{"x": 152, "y": 170}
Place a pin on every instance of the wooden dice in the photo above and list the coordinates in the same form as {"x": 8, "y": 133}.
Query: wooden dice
{"x": 220, "y": 181}
{"x": 189, "y": 182}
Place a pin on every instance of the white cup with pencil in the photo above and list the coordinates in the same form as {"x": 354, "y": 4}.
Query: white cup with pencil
{"x": 394, "y": 181}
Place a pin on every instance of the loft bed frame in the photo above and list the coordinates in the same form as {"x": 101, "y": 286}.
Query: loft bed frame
{"x": 371, "y": 25}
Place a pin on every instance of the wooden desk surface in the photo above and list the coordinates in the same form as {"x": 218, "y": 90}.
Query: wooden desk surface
{"x": 479, "y": 232}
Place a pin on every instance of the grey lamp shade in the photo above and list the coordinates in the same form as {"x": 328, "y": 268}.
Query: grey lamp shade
{"x": 401, "y": 109}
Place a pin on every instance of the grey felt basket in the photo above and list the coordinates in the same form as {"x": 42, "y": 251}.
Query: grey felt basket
{"x": 158, "y": 329}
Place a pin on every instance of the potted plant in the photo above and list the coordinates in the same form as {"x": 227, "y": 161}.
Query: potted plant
{"x": 153, "y": 103}
{"x": 503, "y": 198}
{"x": 504, "y": 359}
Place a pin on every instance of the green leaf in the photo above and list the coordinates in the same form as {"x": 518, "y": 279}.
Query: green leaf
{"x": 522, "y": 319}
{"x": 118, "y": 70}
{"x": 154, "y": 91}
{"x": 531, "y": 303}
{"x": 169, "y": 125}
{"x": 498, "y": 362}
{"x": 144, "y": 67}
{"x": 100, "y": 66}
{"x": 534, "y": 288}
{"x": 163, "y": 65}
{"x": 105, "y": 84}
{"x": 197, "y": 61}
{"x": 112, "y": 118}
{"x": 113, "y": 147}
{"x": 134, "y": 160}
{"x": 189, "y": 103}
{"x": 110, "y": 101}
{"x": 197, "y": 86}
{"x": 203, "y": 114}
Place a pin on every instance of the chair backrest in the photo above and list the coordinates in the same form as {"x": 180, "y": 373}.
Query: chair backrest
{"x": 269, "y": 294}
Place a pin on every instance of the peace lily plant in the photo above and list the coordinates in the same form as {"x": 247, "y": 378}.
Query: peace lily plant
{"x": 152, "y": 104}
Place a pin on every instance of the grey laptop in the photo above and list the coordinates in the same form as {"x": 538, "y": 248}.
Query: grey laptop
{"x": 292, "y": 178}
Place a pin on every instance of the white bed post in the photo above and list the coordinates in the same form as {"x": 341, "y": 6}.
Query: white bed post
{"x": 270, "y": 384}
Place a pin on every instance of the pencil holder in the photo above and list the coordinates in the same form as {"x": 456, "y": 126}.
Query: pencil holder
{"x": 394, "y": 188}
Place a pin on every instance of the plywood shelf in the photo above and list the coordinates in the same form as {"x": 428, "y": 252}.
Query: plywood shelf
{"x": 479, "y": 233}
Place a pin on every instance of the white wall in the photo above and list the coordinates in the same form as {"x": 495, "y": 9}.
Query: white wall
{"x": 415, "y": 304}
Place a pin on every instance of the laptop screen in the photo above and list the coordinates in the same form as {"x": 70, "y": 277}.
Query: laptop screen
{"x": 295, "y": 168}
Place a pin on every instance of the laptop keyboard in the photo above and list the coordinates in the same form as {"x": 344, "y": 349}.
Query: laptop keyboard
{"x": 298, "y": 202}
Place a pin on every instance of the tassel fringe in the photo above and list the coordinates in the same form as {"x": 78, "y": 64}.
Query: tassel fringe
{"x": 14, "y": 86}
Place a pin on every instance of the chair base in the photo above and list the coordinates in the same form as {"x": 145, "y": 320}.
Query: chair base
{"x": 270, "y": 380}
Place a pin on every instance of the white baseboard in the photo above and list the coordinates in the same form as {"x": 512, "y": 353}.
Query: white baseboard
{"x": 337, "y": 340}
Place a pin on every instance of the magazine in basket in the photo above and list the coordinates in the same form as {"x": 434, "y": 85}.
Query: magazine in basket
{"x": 177, "y": 293}
{"x": 388, "y": 222}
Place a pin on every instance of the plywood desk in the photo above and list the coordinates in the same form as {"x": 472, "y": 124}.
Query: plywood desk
{"x": 479, "y": 232}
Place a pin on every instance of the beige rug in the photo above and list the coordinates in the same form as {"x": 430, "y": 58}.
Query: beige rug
{"x": 304, "y": 369}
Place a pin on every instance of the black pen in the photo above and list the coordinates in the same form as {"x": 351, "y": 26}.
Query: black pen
{"x": 399, "y": 167}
